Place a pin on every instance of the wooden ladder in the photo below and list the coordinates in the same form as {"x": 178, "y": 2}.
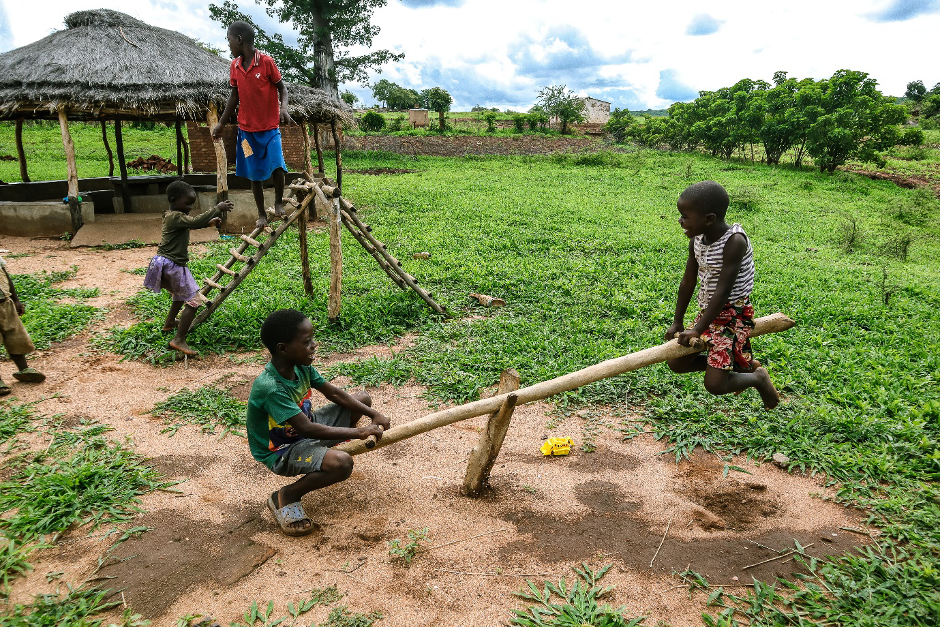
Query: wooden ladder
{"x": 249, "y": 261}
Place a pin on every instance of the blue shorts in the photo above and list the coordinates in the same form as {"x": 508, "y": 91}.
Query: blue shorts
{"x": 258, "y": 155}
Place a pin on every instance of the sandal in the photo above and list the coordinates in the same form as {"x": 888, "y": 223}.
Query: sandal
{"x": 29, "y": 375}
{"x": 4, "y": 388}
{"x": 290, "y": 513}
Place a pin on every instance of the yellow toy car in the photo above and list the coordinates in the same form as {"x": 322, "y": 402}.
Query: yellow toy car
{"x": 557, "y": 446}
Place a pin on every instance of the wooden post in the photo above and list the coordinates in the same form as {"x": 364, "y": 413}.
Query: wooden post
{"x": 179, "y": 148}
{"x": 104, "y": 140}
{"x": 222, "y": 164}
{"x": 317, "y": 145}
{"x": 485, "y": 453}
{"x": 75, "y": 208}
{"x": 122, "y": 165}
{"x": 20, "y": 153}
{"x": 302, "y": 243}
{"x": 336, "y": 262}
{"x": 186, "y": 156}
{"x": 308, "y": 166}
{"x": 336, "y": 152}
{"x": 775, "y": 323}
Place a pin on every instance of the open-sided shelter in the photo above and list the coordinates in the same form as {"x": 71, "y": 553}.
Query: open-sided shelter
{"x": 108, "y": 66}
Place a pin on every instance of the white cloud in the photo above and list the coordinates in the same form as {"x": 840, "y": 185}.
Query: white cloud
{"x": 499, "y": 53}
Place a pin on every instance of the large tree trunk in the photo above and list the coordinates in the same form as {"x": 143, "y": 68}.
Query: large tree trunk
{"x": 325, "y": 75}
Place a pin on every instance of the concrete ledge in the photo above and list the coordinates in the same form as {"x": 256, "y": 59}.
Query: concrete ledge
{"x": 43, "y": 218}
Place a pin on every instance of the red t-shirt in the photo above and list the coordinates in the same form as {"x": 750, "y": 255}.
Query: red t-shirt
{"x": 259, "y": 102}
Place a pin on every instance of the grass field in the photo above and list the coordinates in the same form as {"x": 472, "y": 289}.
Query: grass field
{"x": 586, "y": 251}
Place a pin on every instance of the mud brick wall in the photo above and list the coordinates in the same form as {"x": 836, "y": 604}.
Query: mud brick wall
{"x": 203, "y": 155}
{"x": 457, "y": 146}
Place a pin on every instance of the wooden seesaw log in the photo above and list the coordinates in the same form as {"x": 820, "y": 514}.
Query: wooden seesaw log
{"x": 774, "y": 323}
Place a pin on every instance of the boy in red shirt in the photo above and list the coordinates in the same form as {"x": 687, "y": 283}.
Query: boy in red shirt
{"x": 262, "y": 100}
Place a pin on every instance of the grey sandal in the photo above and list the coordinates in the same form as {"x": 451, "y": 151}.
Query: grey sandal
{"x": 290, "y": 513}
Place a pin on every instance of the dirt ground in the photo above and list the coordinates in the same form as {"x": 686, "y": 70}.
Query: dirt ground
{"x": 213, "y": 548}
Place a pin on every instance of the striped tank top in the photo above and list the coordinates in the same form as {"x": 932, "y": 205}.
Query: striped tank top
{"x": 709, "y": 258}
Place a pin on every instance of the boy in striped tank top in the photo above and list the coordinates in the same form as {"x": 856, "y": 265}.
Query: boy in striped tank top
{"x": 720, "y": 259}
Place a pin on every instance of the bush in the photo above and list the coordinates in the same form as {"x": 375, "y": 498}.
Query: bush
{"x": 912, "y": 137}
{"x": 491, "y": 119}
{"x": 372, "y": 122}
{"x": 396, "y": 123}
{"x": 619, "y": 125}
{"x": 519, "y": 122}
{"x": 538, "y": 120}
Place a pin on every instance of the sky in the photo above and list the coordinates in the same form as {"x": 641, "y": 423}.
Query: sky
{"x": 637, "y": 56}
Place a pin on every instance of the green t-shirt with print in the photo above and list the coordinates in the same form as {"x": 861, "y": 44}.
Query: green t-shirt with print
{"x": 272, "y": 402}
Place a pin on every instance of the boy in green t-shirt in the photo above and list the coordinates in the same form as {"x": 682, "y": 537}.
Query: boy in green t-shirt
{"x": 285, "y": 435}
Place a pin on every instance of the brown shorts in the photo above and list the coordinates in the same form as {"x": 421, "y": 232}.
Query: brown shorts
{"x": 15, "y": 338}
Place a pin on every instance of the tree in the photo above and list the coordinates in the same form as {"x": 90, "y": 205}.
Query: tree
{"x": 382, "y": 89}
{"x": 324, "y": 29}
{"x": 560, "y": 102}
{"x": 619, "y": 125}
{"x": 915, "y": 91}
{"x": 438, "y": 100}
{"x": 851, "y": 119}
{"x": 401, "y": 98}
{"x": 349, "y": 97}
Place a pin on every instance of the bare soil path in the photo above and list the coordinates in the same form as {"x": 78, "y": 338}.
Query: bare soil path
{"x": 213, "y": 548}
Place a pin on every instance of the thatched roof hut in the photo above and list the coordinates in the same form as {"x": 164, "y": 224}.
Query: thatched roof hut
{"x": 107, "y": 64}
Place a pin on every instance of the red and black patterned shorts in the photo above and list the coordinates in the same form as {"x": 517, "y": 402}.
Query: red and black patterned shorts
{"x": 730, "y": 348}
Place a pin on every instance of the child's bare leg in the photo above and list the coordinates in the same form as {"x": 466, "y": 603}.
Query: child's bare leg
{"x": 170, "y": 323}
{"x": 278, "y": 177}
{"x": 20, "y": 361}
{"x": 726, "y": 382}
{"x": 336, "y": 467}
{"x": 688, "y": 363}
{"x": 178, "y": 343}
{"x": 258, "y": 191}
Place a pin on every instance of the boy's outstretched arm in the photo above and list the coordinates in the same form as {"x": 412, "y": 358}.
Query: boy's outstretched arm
{"x": 283, "y": 98}
{"x": 316, "y": 431}
{"x": 230, "y": 105}
{"x": 684, "y": 293}
{"x": 342, "y": 398}
{"x": 732, "y": 257}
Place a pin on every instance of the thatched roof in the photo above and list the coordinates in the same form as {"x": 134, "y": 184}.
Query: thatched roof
{"x": 107, "y": 64}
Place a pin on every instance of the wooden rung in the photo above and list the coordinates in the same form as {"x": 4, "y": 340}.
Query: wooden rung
{"x": 250, "y": 242}
{"x": 225, "y": 270}
{"x": 239, "y": 255}
{"x": 212, "y": 283}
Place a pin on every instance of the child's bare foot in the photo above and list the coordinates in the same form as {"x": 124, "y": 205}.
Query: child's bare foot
{"x": 753, "y": 365}
{"x": 182, "y": 346}
{"x": 766, "y": 389}
{"x": 279, "y": 209}
{"x": 171, "y": 326}
{"x": 261, "y": 222}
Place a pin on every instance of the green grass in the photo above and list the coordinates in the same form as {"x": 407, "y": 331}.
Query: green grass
{"x": 46, "y": 319}
{"x": 75, "y": 609}
{"x": 209, "y": 407}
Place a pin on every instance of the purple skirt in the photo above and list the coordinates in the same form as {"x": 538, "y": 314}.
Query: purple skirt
{"x": 164, "y": 274}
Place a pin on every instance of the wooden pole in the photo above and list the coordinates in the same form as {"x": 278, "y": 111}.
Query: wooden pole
{"x": 775, "y": 323}
{"x": 179, "y": 148}
{"x": 104, "y": 140}
{"x": 75, "y": 208}
{"x": 302, "y": 243}
{"x": 122, "y": 165}
{"x": 488, "y": 447}
{"x": 222, "y": 164}
{"x": 308, "y": 166}
{"x": 336, "y": 152}
{"x": 336, "y": 262}
{"x": 186, "y": 156}
{"x": 319, "y": 150}
{"x": 20, "y": 153}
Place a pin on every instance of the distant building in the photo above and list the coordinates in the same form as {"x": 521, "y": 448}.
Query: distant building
{"x": 597, "y": 111}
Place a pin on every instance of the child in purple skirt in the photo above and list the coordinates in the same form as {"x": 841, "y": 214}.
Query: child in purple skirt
{"x": 168, "y": 269}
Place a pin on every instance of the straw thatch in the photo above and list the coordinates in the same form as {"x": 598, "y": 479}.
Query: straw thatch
{"x": 108, "y": 64}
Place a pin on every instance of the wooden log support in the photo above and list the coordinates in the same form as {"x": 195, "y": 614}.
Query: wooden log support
{"x": 336, "y": 152}
{"x": 265, "y": 247}
{"x": 20, "y": 153}
{"x": 329, "y": 191}
{"x": 225, "y": 270}
{"x": 222, "y": 164}
{"x": 104, "y": 140}
{"x": 775, "y": 323}
{"x": 122, "y": 164}
{"x": 250, "y": 240}
{"x": 392, "y": 261}
{"x": 317, "y": 146}
{"x": 179, "y": 147}
{"x": 235, "y": 253}
{"x": 186, "y": 156}
{"x": 365, "y": 243}
{"x": 309, "y": 174}
{"x": 488, "y": 447}
{"x": 302, "y": 244}
{"x": 212, "y": 283}
{"x": 75, "y": 208}
{"x": 336, "y": 262}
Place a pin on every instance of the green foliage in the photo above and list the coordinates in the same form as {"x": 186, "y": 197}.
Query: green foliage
{"x": 265, "y": 616}
{"x": 372, "y": 122}
{"x": 405, "y": 551}
{"x": 381, "y": 90}
{"x": 401, "y": 98}
{"x": 519, "y": 122}
{"x": 560, "y": 102}
{"x": 397, "y": 123}
{"x": 619, "y": 125}
{"x": 915, "y": 90}
{"x": 209, "y": 407}
{"x": 342, "y": 617}
{"x": 437, "y": 99}
{"x": 75, "y": 609}
{"x": 491, "y": 119}
{"x": 578, "y": 605}
{"x": 349, "y": 97}
{"x": 46, "y": 319}
{"x": 325, "y": 33}
{"x": 13, "y": 554}
{"x": 15, "y": 419}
